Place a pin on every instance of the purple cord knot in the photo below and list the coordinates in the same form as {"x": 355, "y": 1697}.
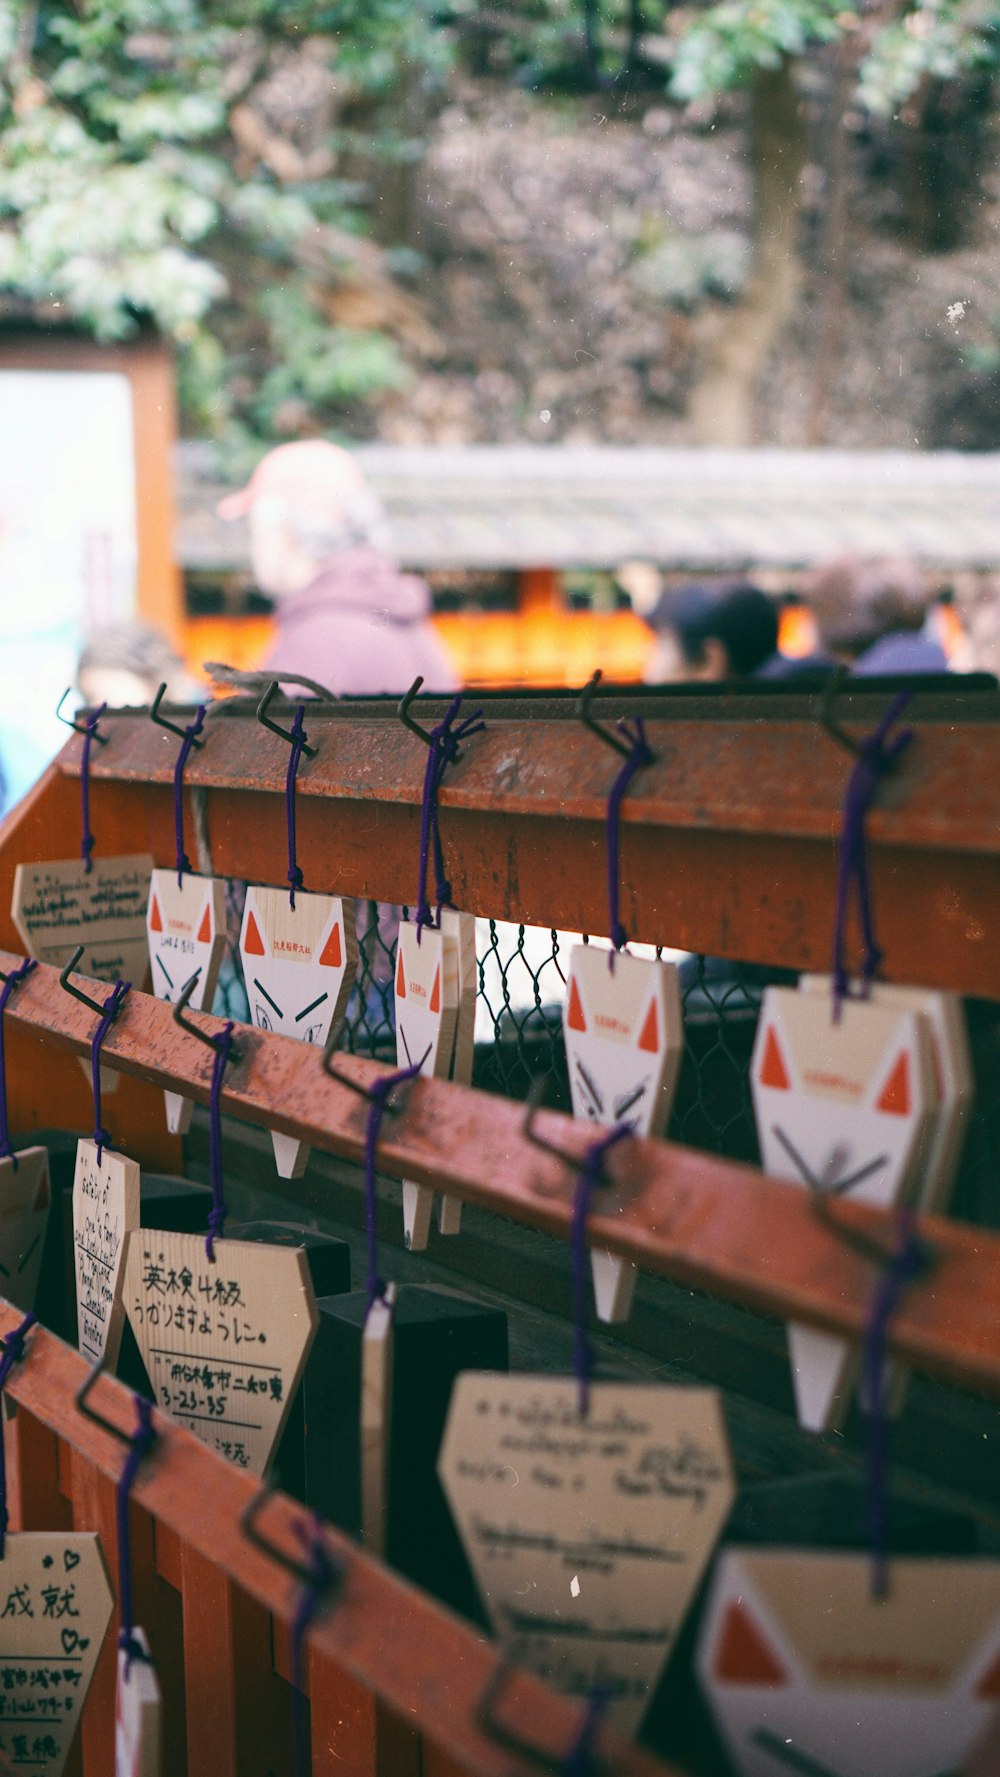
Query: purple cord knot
{"x": 12, "y": 982}
{"x": 13, "y": 1352}
{"x": 299, "y": 738}
{"x": 112, "y": 1006}
{"x": 442, "y": 750}
{"x": 140, "y": 1443}
{"x": 876, "y": 756}
{"x": 381, "y": 1093}
{"x": 87, "y": 842}
{"x": 590, "y": 1176}
{"x": 910, "y": 1259}
{"x": 580, "y": 1761}
{"x": 218, "y": 1213}
{"x": 639, "y": 755}
{"x": 190, "y": 736}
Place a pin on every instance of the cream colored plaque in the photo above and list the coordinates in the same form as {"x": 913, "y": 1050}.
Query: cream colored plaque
{"x": 426, "y": 994}
{"x": 807, "y": 1672}
{"x": 59, "y": 905}
{"x": 223, "y": 1343}
{"x": 461, "y": 928}
{"x": 851, "y": 1097}
{"x": 138, "y": 1711}
{"x": 186, "y": 933}
{"x": 25, "y": 1200}
{"x": 588, "y": 1536}
{"x": 105, "y": 1210}
{"x": 299, "y": 965}
{"x": 624, "y": 1033}
{"x": 55, "y": 1606}
{"x": 376, "y": 1419}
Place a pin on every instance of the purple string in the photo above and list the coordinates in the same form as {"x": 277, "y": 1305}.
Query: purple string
{"x": 222, "y": 1045}
{"x": 13, "y": 1352}
{"x": 910, "y": 1258}
{"x": 639, "y": 755}
{"x": 442, "y": 749}
{"x": 591, "y": 1170}
{"x": 13, "y": 981}
{"x": 299, "y": 738}
{"x": 140, "y": 1444}
{"x": 112, "y": 1006}
{"x": 580, "y": 1761}
{"x": 87, "y": 842}
{"x": 381, "y": 1093}
{"x": 190, "y": 735}
{"x": 877, "y": 755}
{"x": 323, "y": 1575}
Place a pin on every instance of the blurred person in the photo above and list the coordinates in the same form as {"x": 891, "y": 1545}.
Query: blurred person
{"x": 873, "y": 613}
{"x": 707, "y": 634}
{"x": 319, "y": 546}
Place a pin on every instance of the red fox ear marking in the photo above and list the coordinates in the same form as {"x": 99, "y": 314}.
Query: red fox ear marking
{"x": 155, "y": 917}
{"x": 574, "y": 1016}
{"x": 254, "y": 944}
{"x": 205, "y": 929}
{"x": 332, "y": 954}
{"x": 649, "y": 1038}
{"x": 743, "y": 1656}
{"x": 773, "y": 1071}
{"x": 895, "y": 1094}
{"x": 400, "y": 978}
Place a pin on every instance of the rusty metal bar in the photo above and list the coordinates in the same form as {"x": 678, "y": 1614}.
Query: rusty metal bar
{"x": 411, "y": 1654}
{"x": 704, "y": 1222}
{"x": 728, "y": 839}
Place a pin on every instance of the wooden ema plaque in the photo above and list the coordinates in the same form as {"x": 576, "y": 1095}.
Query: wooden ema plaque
{"x": 138, "y": 1711}
{"x": 376, "y": 1419}
{"x": 807, "y": 1673}
{"x": 59, "y": 905}
{"x": 624, "y": 1034}
{"x": 588, "y": 1536}
{"x": 105, "y": 1210}
{"x": 185, "y": 931}
{"x": 25, "y": 1202}
{"x": 223, "y": 1343}
{"x": 299, "y": 966}
{"x": 941, "y": 1150}
{"x": 461, "y": 929}
{"x": 427, "y": 997}
{"x": 55, "y": 1606}
{"x": 850, "y": 1097}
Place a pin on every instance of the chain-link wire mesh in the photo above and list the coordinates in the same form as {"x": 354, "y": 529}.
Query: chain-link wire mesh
{"x": 519, "y": 1040}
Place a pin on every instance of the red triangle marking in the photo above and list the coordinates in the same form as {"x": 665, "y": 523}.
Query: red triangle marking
{"x": 436, "y": 991}
{"x": 574, "y": 1016}
{"x": 400, "y": 977}
{"x": 743, "y": 1655}
{"x": 253, "y": 943}
{"x": 989, "y": 1684}
{"x": 205, "y": 929}
{"x": 155, "y": 919}
{"x": 649, "y": 1038}
{"x": 895, "y": 1094}
{"x": 773, "y": 1071}
{"x": 332, "y": 954}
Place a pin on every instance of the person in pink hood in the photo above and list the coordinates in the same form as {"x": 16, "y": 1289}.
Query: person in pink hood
{"x": 345, "y": 613}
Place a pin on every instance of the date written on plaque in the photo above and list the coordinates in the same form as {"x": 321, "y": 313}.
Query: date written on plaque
{"x": 223, "y": 1342}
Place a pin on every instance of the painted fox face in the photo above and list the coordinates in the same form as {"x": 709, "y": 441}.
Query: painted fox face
{"x": 624, "y": 1037}
{"x": 809, "y": 1676}
{"x": 186, "y": 930}
{"x": 426, "y": 994}
{"x": 298, "y": 963}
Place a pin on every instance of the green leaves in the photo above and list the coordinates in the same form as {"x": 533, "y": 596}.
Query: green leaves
{"x": 729, "y": 42}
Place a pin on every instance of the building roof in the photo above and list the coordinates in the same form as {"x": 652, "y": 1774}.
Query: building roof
{"x": 494, "y": 506}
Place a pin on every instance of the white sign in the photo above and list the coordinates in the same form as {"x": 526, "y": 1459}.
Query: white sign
{"x": 588, "y": 1536}
{"x": 138, "y": 1707}
{"x": 186, "y": 932}
{"x": 808, "y": 1674}
{"x": 55, "y": 1606}
{"x": 105, "y": 1210}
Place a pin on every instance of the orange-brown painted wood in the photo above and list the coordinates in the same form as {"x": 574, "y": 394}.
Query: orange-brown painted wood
{"x": 705, "y": 1222}
{"x": 238, "y": 1721}
{"x": 420, "y": 1663}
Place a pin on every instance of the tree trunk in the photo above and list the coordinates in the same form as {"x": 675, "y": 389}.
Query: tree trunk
{"x": 722, "y": 404}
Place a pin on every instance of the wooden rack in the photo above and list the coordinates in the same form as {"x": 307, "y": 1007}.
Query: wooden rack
{"x": 728, "y": 847}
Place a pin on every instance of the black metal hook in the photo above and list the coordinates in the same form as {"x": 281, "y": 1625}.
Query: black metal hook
{"x": 365, "y": 1092}
{"x": 403, "y": 712}
{"x": 81, "y": 1402}
{"x": 831, "y": 691}
{"x": 180, "y": 1007}
{"x": 582, "y": 711}
{"x": 298, "y": 1569}
{"x": 532, "y": 1106}
{"x": 268, "y": 721}
{"x": 81, "y": 727}
{"x": 507, "y": 1738}
{"x": 821, "y": 1196}
{"x": 165, "y": 722}
{"x": 77, "y": 993}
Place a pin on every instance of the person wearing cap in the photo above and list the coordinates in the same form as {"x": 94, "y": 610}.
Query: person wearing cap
{"x": 873, "y": 613}
{"x": 710, "y": 633}
{"x": 319, "y": 545}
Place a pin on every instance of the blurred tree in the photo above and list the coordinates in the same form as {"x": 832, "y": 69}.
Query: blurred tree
{"x": 175, "y": 162}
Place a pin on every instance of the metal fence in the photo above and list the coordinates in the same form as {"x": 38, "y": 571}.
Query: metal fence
{"x": 521, "y": 995}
